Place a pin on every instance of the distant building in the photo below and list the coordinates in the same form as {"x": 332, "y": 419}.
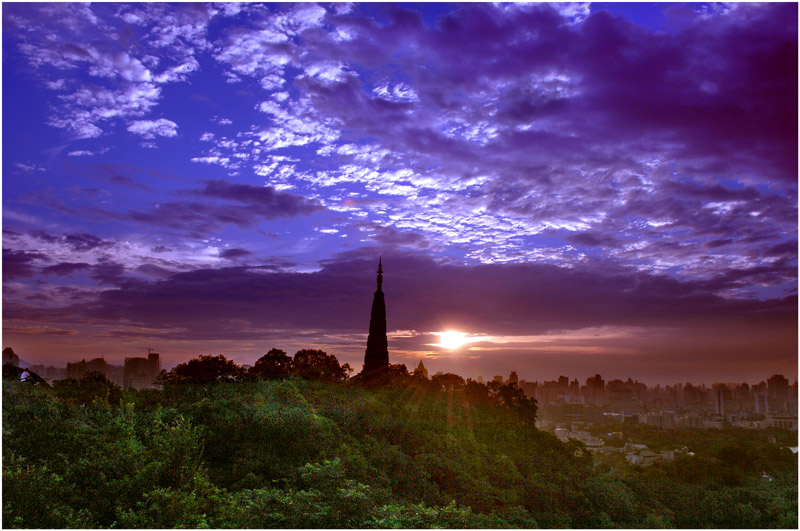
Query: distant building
{"x": 76, "y": 370}
{"x": 498, "y": 378}
{"x": 778, "y": 390}
{"x": 529, "y": 388}
{"x": 778, "y": 387}
{"x": 664, "y": 420}
{"x": 421, "y": 370}
{"x": 513, "y": 378}
{"x": 761, "y": 404}
{"x": 643, "y": 457}
{"x": 784, "y": 421}
{"x": 141, "y": 373}
{"x": 719, "y": 399}
{"x": 594, "y": 390}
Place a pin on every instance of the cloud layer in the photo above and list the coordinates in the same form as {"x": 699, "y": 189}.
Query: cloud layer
{"x": 528, "y": 168}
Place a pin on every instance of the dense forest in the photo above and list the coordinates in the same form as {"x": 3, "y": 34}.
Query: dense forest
{"x": 296, "y": 443}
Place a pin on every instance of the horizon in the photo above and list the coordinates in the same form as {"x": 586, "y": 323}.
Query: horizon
{"x": 487, "y": 378}
{"x": 554, "y": 189}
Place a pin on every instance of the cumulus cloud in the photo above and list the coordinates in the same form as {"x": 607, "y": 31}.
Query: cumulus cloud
{"x": 154, "y": 128}
{"x": 552, "y": 120}
{"x": 112, "y": 59}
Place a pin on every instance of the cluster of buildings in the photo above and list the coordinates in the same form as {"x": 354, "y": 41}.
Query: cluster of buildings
{"x": 772, "y": 403}
{"x": 136, "y": 373}
{"x": 635, "y": 454}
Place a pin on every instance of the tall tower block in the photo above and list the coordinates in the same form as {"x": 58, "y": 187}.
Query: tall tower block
{"x": 376, "y": 357}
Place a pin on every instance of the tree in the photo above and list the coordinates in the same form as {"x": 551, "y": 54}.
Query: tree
{"x": 273, "y": 364}
{"x": 92, "y": 385}
{"x": 476, "y": 391}
{"x": 447, "y": 380}
{"x": 318, "y": 365}
{"x": 513, "y": 398}
{"x": 203, "y": 370}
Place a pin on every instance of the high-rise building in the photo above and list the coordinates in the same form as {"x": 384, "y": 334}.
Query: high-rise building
{"x": 141, "y": 373}
{"x": 778, "y": 388}
{"x": 594, "y": 390}
{"x": 718, "y": 395}
{"x": 513, "y": 378}
{"x": 376, "y": 357}
{"x": 761, "y": 403}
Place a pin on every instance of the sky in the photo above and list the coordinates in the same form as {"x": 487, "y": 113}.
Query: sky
{"x": 572, "y": 188}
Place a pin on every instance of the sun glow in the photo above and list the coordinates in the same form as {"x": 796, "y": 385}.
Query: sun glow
{"x": 451, "y": 339}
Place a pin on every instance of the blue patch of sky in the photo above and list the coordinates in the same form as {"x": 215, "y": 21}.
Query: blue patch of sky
{"x": 647, "y": 14}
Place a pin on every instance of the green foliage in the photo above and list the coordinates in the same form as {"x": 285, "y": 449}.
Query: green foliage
{"x": 318, "y": 365}
{"x": 35, "y": 497}
{"x": 320, "y": 453}
{"x": 196, "y": 505}
{"x": 90, "y": 387}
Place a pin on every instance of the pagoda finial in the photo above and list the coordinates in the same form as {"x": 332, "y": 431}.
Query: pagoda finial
{"x": 380, "y": 273}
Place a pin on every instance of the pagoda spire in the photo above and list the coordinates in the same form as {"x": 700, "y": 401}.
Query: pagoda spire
{"x": 376, "y": 356}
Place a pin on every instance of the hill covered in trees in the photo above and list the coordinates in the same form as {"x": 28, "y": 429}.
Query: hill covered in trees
{"x": 296, "y": 443}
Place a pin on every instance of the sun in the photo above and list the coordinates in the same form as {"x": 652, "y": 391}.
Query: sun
{"x": 451, "y": 339}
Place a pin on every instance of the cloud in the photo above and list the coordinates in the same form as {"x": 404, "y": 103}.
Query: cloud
{"x": 154, "y": 128}
{"x": 541, "y": 138}
{"x": 232, "y": 254}
{"x": 127, "y": 182}
{"x": 263, "y": 201}
{"x": 20, "y": 264}
{"x": 108, "y": 272}
{"x": 224, "y": 203}
{"x": 83, "y": 241}
{"x": 65, "y": 268}
{"x": 111, "y": 60}
{"x": 508, "y": 299}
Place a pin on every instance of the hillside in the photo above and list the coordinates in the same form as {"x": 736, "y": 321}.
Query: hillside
{"x": 309, "y": 454}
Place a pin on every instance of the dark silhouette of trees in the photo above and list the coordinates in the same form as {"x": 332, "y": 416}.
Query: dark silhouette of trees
{"x": 393, "y": 375}
{"x": 318, "y": 365}
{"x": 476, "y": 391}
{"x": 509, "y": 395}
{"x": 273, "y": 364}
{"x": 513, "y": 398}
{"x": 447, "y": 381}
{"x": 203, "y": 370}
{"x": 91, "y": 386}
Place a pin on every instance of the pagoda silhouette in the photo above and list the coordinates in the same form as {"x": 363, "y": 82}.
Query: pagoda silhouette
{"x": 376, "y": 357}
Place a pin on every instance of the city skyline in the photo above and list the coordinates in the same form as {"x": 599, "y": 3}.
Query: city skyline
{"x": 481, "y": 378}
{"x": 553, "y": 189}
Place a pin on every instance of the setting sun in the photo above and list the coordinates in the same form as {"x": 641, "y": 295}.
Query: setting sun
{"x": 451, "y": 339}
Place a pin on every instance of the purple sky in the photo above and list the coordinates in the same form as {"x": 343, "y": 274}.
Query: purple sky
{"x": 579, "y": 188}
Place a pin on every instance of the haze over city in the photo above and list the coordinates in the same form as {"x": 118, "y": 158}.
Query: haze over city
{"x": 553, "y": 189}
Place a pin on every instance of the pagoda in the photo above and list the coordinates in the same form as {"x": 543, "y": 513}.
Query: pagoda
{"x": 376, "y": 357}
